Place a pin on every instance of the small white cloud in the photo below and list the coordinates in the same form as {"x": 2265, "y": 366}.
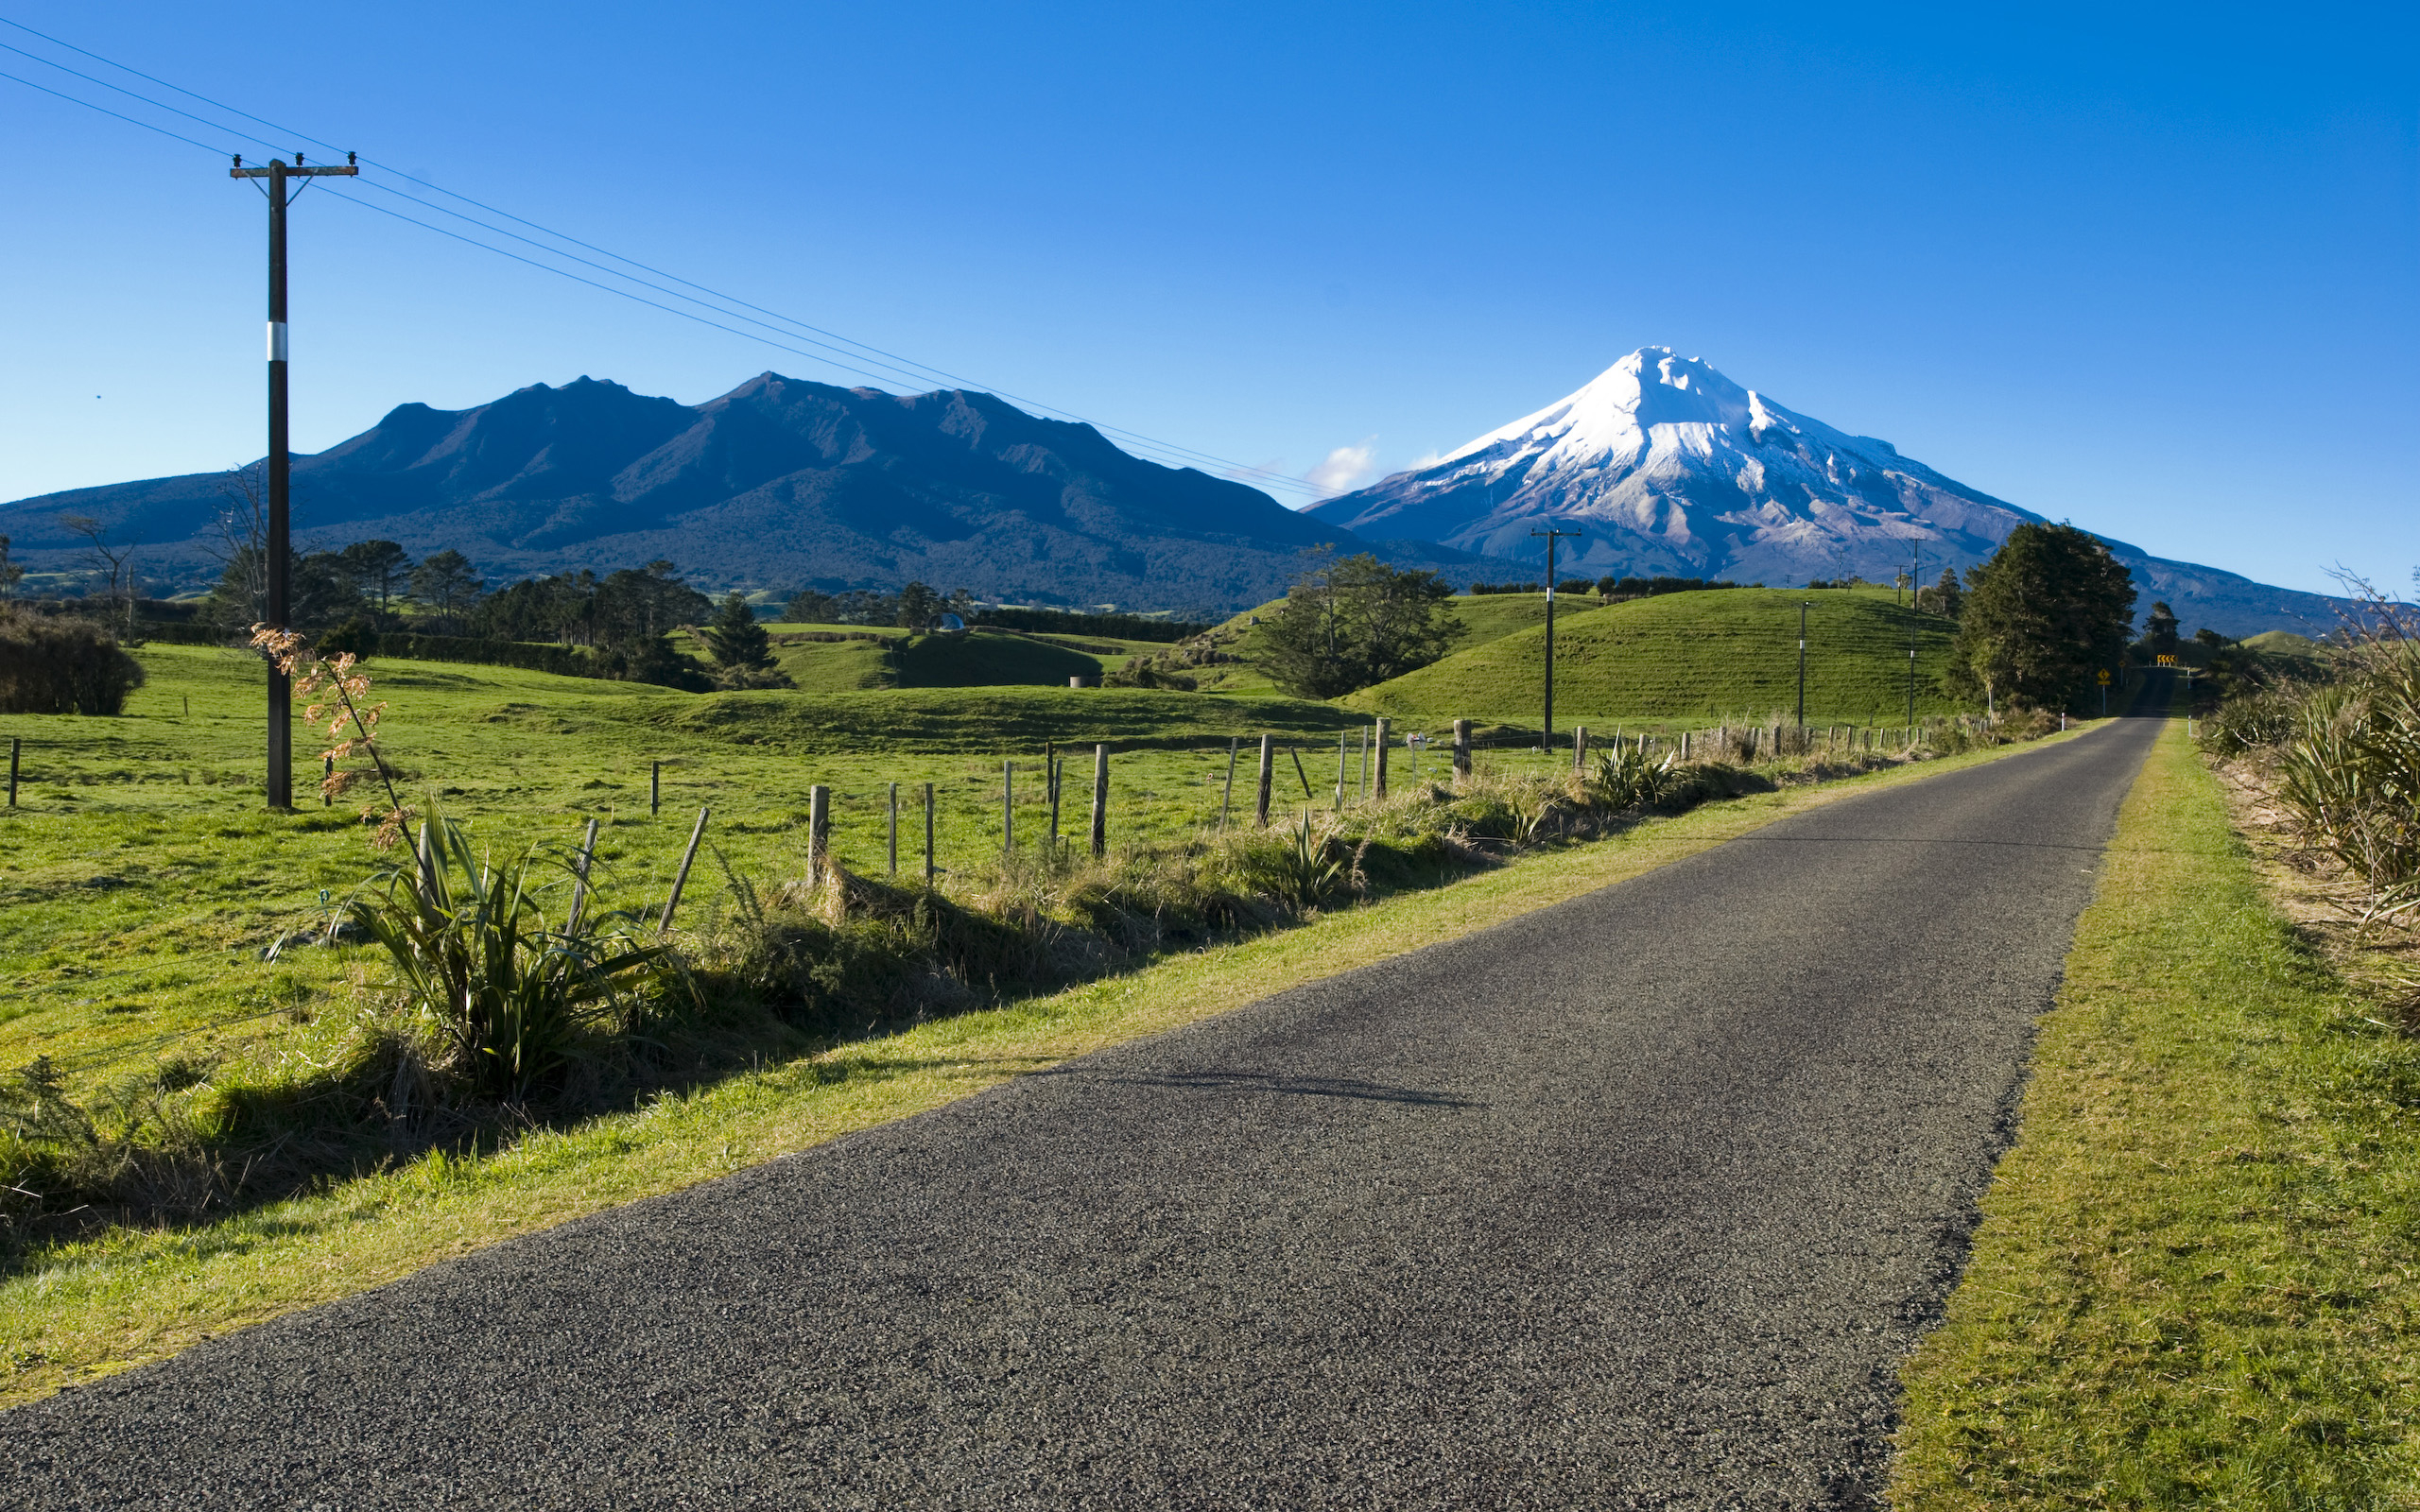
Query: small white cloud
{"x": 1426, "y": 461}
{"x": 1344, "y": 467}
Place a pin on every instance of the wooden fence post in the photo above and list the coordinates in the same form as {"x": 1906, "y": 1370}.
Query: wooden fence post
{"x": 818, "y": 830}
{"x": 1365, "y": 761}
{"x": 1268, "y": 773}
{"x": 1461, "y": 751}
{"x": 680, "y": 878}
{"x": 895, "y": 831}
{"x": 1008, "y": 807}
{"x": 1343, "y": 744}
{"x": 929, "y": 837}
{"x": 17, "y": 744}
{"x": 580, "y": 878}
{"x": 1057, "y": 763}
{"x": 1228, "y": 800}
{"x": 1580, "y": 747}
{"x": 655, "y": 788}
{"x": 1100, "y": 801}
{"x": 1385, "y": 734}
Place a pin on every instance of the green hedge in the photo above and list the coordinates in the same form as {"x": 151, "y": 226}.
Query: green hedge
{"x": 567, "y": 660}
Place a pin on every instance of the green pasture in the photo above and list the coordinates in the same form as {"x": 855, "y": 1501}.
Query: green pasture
{"x": 1698, "y": 656}
{"x": 142, "y": 877}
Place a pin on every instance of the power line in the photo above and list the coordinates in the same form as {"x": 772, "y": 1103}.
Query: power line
{"x": 106, "y": 110}
{"x": 896, "y": 367}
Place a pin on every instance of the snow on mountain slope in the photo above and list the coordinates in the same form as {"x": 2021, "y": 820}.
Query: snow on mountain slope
{"x": 1671, "y": 468}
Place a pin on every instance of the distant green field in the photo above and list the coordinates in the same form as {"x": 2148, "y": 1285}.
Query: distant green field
{"x": 900, "y": 659}
{"x": 140, "y": 875}
{"x": 1707, "y": 656}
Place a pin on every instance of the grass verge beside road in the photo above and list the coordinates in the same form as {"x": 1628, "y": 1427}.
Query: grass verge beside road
{"x": 88, "y": 1307}
{"x": 2194, "y": 1282}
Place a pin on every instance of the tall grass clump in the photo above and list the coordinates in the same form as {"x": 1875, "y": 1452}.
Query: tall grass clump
{"x": 513, "y": 998}
{"x": 2349, "y": 772}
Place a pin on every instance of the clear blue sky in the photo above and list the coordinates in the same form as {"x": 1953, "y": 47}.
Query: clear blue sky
{"x": 2150, "y": 270}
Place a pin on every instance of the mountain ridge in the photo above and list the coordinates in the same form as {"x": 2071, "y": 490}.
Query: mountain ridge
{"x": 780, "y": 483}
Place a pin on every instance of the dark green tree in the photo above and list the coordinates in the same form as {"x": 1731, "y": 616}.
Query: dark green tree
{"x": 809, "y": 606}
{"x": 1357, "y": 622}
{"x": 318, "y": 594}
{"x": 743, "y": 652}
{"x": 634, "y": 605}
{"x": 919, "y": 606}
{"x": 377, "y": 570}
{"x": 1944, "y": 598}
{"x": 448, "y": 586}
{"x": 2048, "y": 610}
{"x": 2159, "y": 630}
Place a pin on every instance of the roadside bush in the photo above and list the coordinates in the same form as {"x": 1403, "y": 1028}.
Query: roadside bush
{"x": 513, "y": 999}
{"x": 1627, "y": 780}
{"x": 62, "y": 665}
{"x": 2253, "y": 718}
{"x": 2349, "y": 772}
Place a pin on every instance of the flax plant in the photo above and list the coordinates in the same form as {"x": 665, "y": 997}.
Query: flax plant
{"x": 513, "y": 998}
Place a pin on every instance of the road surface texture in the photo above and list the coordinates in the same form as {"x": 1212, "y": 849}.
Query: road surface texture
{"x": 1635, "y": 1201}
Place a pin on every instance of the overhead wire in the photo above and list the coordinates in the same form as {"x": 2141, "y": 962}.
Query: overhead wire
{"x": 895, "y": 367}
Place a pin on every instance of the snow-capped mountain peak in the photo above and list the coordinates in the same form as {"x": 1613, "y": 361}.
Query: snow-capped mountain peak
{"x": 1677, "y": 469}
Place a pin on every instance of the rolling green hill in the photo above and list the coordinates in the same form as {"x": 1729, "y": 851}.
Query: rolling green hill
{"x": 899, "y": 659}
{"x": 1731, "y": 653}
{"x": 1486, "y": 618}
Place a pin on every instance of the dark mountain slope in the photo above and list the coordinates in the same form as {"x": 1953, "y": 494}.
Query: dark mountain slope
{"x": 778, "y": 484}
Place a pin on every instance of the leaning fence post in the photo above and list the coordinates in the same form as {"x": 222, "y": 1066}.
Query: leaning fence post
{"x": 1461, "y": 751}
{"x": 929, "y": 837}
{"x": 1100, "y": 801}
{"x": 15, "y": 743}
{"x": 1267, "y": 774}
{"x": 818, "y": 830}
{"x": 1228, "y": 800}
{"x": 895, "y": 831}
{"x": 680, "y": 878}
{"x": 1385, "y": 727}
{"x": 580, "y": 878}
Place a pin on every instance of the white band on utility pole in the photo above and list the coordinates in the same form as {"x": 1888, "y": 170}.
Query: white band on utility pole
{"x": 276, "y": 341}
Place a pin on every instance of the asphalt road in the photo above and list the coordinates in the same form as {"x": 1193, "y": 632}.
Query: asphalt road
{"x": 1635, "y": 1201}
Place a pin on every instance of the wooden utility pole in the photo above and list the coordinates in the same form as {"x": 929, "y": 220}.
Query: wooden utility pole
{"x": 1552, "y": 535}
{"x": 279, "y": 545}
{"x": 1802, "y": 664}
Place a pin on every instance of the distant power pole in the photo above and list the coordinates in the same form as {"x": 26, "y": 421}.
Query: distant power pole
{"x": 278, "y": 546}
{"x": 1915, "y": 571}
{"x": 1551, "y": 535}
{"x": 1802, "y": 664}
